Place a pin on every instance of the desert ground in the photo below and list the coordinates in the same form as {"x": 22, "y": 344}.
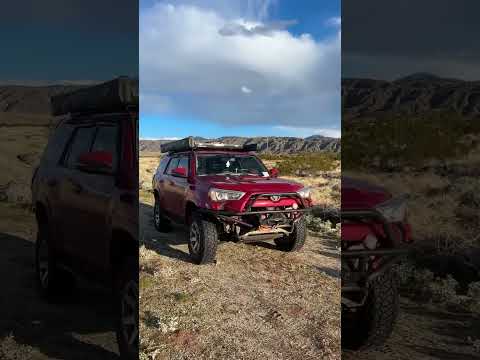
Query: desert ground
{"x": 255, "y": 302}
{"x": 81, "y": 325}
{"x": 443, "y": 210}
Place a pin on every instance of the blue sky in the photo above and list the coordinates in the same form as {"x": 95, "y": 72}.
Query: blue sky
{"x": 249, "y": 68}
{"x": 76, "y": 40}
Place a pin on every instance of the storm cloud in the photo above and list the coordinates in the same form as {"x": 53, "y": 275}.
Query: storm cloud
{"x": 389, "y": 39}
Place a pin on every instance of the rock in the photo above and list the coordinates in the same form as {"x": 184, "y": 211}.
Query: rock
{"x": 28, "y": 158}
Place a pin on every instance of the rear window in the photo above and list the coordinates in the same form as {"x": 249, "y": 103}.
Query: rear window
{"x": 106, "y": 139}
{"x": 183, "y": 162}
{"x": 173, "y": 164}
{"x": 81, "y": 143}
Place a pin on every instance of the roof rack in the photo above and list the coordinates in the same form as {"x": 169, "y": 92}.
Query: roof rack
{"x": 189, "y": 143}
{"x": 117, "y": 95}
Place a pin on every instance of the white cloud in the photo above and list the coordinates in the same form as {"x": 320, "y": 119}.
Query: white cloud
{"x": 335, "y": 21}
{"x": 185, "y": 58}
{"x": 246, "y": 90}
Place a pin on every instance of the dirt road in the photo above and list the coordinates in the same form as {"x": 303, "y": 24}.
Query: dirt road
{"x": 80, "y": 327}
{"x": 256, "y": 302}
{"x": 430, "y": 333}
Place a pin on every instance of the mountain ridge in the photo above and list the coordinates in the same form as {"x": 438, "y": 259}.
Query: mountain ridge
{"x": 415, "y": 94}
{"x": 276, "y": 144}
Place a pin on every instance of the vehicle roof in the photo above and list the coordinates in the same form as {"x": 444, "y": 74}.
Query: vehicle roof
{"x": 207, "y": 151}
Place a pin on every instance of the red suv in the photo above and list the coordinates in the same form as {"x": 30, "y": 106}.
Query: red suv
{"x": 225, "y": 191}
{"x": 85, "y": 197}
{"x": 375, "y": 235}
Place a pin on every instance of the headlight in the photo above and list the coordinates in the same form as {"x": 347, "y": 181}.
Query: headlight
{"x": 305, "y": 193}
{"x": 395, "y": 209}
{"x": 222, "y": 195}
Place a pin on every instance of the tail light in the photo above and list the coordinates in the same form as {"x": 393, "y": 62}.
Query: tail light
{"x": 128, "y": 177}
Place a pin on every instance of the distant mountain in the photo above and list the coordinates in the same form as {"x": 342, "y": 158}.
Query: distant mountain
{"x": 276, "y": 144}
{"x": 31, "y": 99}
{"x": 411, "y": 95}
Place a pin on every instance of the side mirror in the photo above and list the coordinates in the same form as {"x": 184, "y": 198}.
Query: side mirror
{"x": 179, "y": 171}
{"x": 95, "y": 161}
{"x": 273, "y": 172}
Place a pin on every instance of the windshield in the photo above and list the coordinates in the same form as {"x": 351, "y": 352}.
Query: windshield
{"x": 228, "y": 164}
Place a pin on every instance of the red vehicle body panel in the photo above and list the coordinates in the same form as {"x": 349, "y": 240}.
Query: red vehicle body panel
{"x": 361, "y": 195}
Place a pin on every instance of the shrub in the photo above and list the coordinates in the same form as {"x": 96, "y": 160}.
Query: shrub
{"x": 387, "y": 140}
{"x": 289, "y": 164}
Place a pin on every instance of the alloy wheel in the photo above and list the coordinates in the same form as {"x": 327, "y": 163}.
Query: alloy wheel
{"x": 195, "y": 238}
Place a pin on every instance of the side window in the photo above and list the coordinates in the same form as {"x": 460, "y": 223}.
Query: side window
{"x": 106, "y": 139}
{"x": 163, "y": 165}
{"x": 81, "y": 143}
{"x": 56, "y": 144}
{"x": 183, "y": 162}
{"x": 172, "y": 165}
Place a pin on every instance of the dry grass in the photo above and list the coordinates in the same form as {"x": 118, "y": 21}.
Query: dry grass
{"x": 255, "y": 302}
{"x": 443, "y": 208}
{"x": 20, "y": 151}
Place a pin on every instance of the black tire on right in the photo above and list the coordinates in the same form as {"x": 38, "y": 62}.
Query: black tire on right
{"x": 161, "y": 223}
{"x": 296, "y": 240}
{"x": 206, "y": 251}
{"x": 373, "y": 324}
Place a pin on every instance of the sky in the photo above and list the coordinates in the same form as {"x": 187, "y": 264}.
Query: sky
{"x": 79, "y": 41}
{"x": 391, "y": 39}
{"x": 241, "y": 67}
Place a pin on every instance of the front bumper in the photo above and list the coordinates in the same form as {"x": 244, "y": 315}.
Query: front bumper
{"x": 358, "y": 281}
{"x": 247, "y": 226}
{"x": 244, "y": 213}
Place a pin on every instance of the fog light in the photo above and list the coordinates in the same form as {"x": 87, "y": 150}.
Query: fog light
{"x": 370, "y": 242}
{"x": 295, "y": 206}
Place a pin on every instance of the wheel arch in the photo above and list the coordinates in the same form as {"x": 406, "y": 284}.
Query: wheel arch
{"x": 122, "y": 245}
{"x": 190, "y": 208}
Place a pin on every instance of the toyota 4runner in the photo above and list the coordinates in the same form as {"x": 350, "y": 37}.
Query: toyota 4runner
{"x": 85, "y": 197}
{"x": 225, "y": 192}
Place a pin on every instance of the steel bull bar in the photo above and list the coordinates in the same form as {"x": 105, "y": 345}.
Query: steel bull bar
{"x": 253, "y": 235}
{"x": 388, "y": 256}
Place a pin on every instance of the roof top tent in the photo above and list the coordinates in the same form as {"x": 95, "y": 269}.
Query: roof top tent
{"x": 118, "y": 95}
{"x": 190, "y": 143}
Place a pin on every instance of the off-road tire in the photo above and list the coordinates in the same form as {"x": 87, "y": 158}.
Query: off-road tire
{"x": 296, "y": 240}
{"x": 126, "y": 298}
{"x": 373, "y": 324}
{"x": 56, "y": 282}
{"x": 161, "y": 223}
{"x": 205, "y": 250}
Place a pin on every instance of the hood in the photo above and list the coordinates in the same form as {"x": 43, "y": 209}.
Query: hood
{"x": 254, "y": 184}
{"x": 358, "y": 194}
